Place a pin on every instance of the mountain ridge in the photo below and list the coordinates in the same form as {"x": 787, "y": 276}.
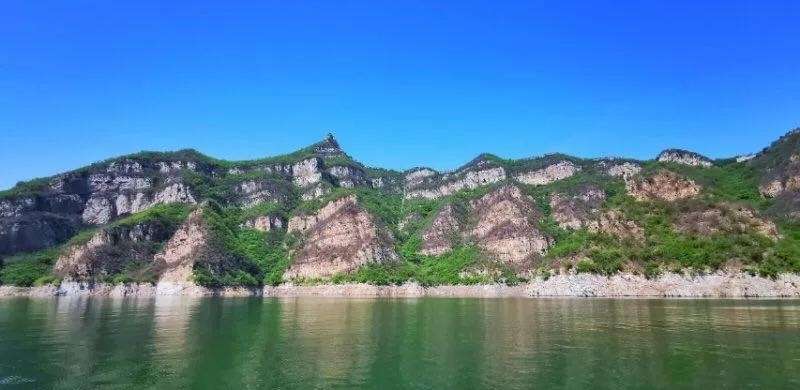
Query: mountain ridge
{"x": 491, "y": 219}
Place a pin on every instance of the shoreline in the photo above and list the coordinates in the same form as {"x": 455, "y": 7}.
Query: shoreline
{"x": 670, "y": 285}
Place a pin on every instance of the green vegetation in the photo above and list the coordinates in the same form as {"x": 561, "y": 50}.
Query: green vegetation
{"x": 26, "y": 188}
{"x": 450, "y": 268}
{"x": 248, "y": 257}
{"x": 259, "y": 257}
{"x": 28, "y": 269}
{"x": 170, "y": 215}
{"x": 135, "y": 271}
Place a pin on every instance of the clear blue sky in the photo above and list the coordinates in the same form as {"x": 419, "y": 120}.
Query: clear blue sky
{"x": 400, "y": 83}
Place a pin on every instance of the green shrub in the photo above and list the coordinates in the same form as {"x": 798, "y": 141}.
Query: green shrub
{"x": 445, "y": 269}
{"x": 47, "y": 280}
{"x": 586, "y": 266}
{"x": 169, "y": 214}
{"x": 27, "y": 268}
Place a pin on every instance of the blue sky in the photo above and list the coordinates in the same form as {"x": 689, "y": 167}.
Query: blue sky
{"x": 401, "y": 84}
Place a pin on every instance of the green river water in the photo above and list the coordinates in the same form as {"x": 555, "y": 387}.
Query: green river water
{"x": 304, "y": 343}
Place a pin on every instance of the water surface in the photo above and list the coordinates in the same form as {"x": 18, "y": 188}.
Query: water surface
{"x": 218, "y": 343}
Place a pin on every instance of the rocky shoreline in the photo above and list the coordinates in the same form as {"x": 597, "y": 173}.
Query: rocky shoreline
{"x": 716, "y": 285}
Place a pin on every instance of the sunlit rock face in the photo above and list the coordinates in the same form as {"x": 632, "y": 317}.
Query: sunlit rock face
{"x": 439, "y": 236}
{"x": 574, "y": 211}
{"x": 339, "y": 238}
{"x": 349, "y": 177}
{"x": 684, "y": 157}
{"x": 507, "y": 227}
{"x": 621, "y": 169}
{"x": 109, "y": 202}
{"x": 558, "y": 171}
{"x": 452, "y": 183}
{"x": 415, "y": 177}
{"x": 191, "y": 243}
{"x": 725, "y": 218}
{"x": 253, "y": 192}
{"x": 663, "y": 185}
{"x": 307, "y": 172}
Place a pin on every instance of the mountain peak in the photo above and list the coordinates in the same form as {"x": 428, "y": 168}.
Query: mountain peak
{"x": 328, "y": 147}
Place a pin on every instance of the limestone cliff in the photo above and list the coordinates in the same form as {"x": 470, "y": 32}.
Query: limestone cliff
{"x": 663, "y": 185}
{"x": 338, "y": 238}
{"x": 507, "y": 227}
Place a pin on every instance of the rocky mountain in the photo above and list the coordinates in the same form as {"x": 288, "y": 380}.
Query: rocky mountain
{"x": 318, "y": 215}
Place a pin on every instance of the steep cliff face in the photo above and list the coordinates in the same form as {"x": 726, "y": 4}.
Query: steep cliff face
{"x": 779, "y": 167}
{"x": 439, "y": 237}
{"x": 507, "y": 227}
{"x": 338, "y": 239}
{"x": 663, "y": 185}
{"x": 192, "y": 242}
{"x": 558, "y": 171}
{"x": 625, "y": 169}
{"x": 252, "y": 192}
{"x": 575, "y": 211}
{"x": 685, "y": 157}
{"x": 93, "y": 196}
{"x": 125, "y": 249}
{"x": 424, "y": 185}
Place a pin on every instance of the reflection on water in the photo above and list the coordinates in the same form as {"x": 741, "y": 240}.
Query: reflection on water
{"x": 181, "y": 342}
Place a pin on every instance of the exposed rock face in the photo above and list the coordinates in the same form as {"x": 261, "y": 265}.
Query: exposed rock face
{"x": 684, "y": 157}
{"x": 573, "y": 212}
{"x": 127, "y": 166}
{"x": 452, "y": 183}
{"x": 328, "y": 147}
{"x": 438, "y": 238}
{"x": 725, "y": 219}
{"x": 664, "y": 185}
{"x": 190, "y": 243}
{"x": 169, "y": 167}
{"x": 776, "y": 187}
{"x": 316, "y": 191}
{"x": 339, "y": 238}
{"x": 558, "y": 171}
{"x": 174, "y": 193}
{"x": 745, "y": 158}
{"x": 786, "y": 181}
{"x": 253, "y": 192}
{"x": 35, "y": 230}
{"x": 98, "y": 211}
{"x": 130, "y": 203}
{"x": 779, "y": 168}
{"x": 624, "y": 170}
{"x": 506, "y": 227}
{"x": 415, "y": 177}
{"x": 307, "y": 172}
{"x": 613, "y": 222}
{"x": 265, "y": 223}
{"x": 348, "y": 176}
{"x": 110, "y": 250}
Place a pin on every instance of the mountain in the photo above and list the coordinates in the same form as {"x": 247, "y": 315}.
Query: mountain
{"x": 317, "y": 214}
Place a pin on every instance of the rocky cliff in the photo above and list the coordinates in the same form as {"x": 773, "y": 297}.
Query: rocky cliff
{"x": 319, "y": 215}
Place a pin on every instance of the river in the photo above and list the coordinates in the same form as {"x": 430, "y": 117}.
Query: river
{"x": 426, "y": 343}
